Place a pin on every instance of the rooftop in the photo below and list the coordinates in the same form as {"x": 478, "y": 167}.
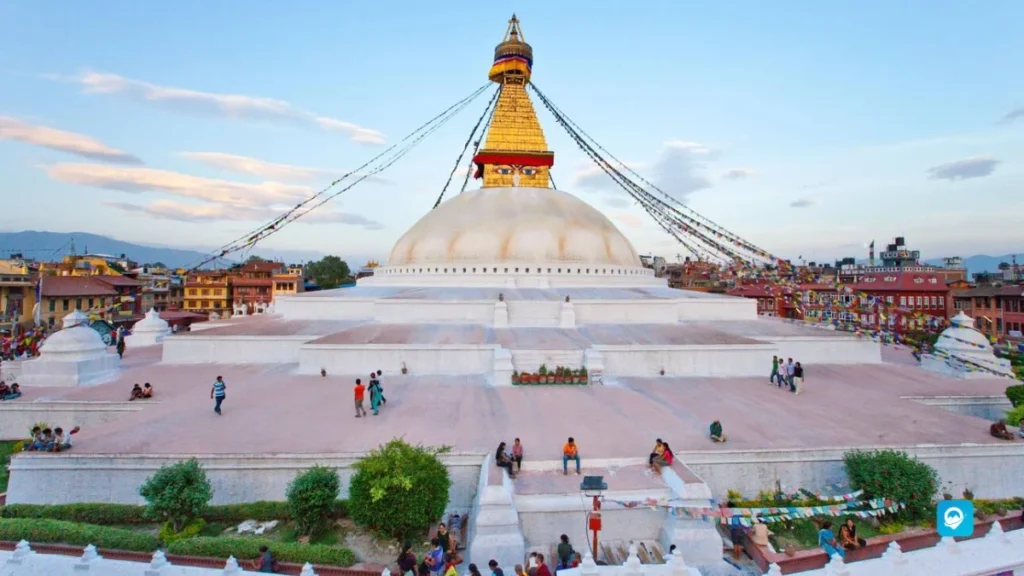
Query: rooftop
{"x": 75, "y": 286}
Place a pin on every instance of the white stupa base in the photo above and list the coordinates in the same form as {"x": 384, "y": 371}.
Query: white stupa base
{"x": 138, "y": 340}
{"x": 962, "y": 371}
{"x": 86, "y": 372}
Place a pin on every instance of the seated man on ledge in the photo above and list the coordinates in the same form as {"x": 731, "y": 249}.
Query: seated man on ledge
{"x": 13, "y": 393}
{"x": 136, "y": 392}
{"x": 147, "y": 391}
{"x": 998, "y": 430}
{"x": 716, "y": 432}
{"x": 570, "y": 451}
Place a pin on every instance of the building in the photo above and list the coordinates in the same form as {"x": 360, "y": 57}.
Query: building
{"x": 61, "y": 295}
{"x": 898, "y": 258}
{"x": 208, "y": 291}
{"x": 899, "y": 301}
{"x": 128, "y": 307}
{"x": 88, "y": 265}
{"x": 17, "y": 294}
{"x": 997, "y": 310}
{"x": 254, "y": 283}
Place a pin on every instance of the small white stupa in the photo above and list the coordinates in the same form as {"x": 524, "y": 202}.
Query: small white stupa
{"x": 149, "y": 331}
{"x": 964, "y": 352}
{"x": 73, "y": 356}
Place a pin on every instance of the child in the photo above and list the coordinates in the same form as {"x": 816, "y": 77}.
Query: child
{"x": 136, "y": 392}
{"x": 147, "y": 391}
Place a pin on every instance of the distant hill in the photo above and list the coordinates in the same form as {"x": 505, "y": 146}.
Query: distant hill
{"x": 55, "y": 245}
{"x": 982, "y": 262}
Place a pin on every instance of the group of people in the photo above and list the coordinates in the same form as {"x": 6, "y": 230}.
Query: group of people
{"x": 376, "y": 391}
{"x": 512, "y": 462}
{"x": 24, "y": 345}
{"x": 848, "y": 539}
{"x": 11, "y": 392}
{"x": 661, "y": 456}
{"x": 999, "y": 430}
{"x": 47, "y": 440}
{"x": 788, "y": 374}
{"x": 141, "y": 392}
{"x": 441, "y": 559}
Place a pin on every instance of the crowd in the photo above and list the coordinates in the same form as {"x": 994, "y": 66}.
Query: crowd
{"x": 375, "y": 389}
{"x": 47, "y": 440}
{"x": 24, "y": 345}
{"x": 11, "y": 392}
{"x": 790, "y": 375}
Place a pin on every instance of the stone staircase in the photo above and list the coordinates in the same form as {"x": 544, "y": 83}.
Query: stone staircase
{"x": 616, "y": 553}
{"x": 544, "y": 313}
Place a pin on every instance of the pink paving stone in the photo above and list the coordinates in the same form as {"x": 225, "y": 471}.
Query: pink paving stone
{"x": 440, "y": 334}
{"x": 262, "y": 325}
{"x": 270, "y": 410}
{"x": 554, "y": 482}
{"x": 661, "y": 334}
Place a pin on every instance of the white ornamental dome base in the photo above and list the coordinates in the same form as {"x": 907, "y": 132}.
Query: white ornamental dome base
{"x": 74, "y": 356}
{"x": 149, "y": 331}
{"x": 972, "y": 370}
{"x": 963, "y": 352}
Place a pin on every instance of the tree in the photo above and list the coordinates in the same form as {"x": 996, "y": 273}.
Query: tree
{"x": 255, "y": 258}
{"x": 311, "y": 498}
{"x": 328, "y": 272}
{"x": 399, "y": 489}
{"x": 177, "y": 494}
{"x": 893, "y": 475}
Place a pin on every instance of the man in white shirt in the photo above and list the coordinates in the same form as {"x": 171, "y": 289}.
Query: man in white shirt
{"x": 790, "y": 368}
{"x": 61, "y": 440}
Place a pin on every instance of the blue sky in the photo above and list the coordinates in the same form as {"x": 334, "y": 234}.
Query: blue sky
{"x": 807, "y": 128}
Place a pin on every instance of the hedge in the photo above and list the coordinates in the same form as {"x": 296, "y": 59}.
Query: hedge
{"x": 76, "y": 534}
{"x": 121, "y": 514}
{"x": 249, "y": 548}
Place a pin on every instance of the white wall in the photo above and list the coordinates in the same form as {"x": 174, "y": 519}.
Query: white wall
{"x": 418, "y": 358}
{"x": 713, "y": 360}
{"x": 17, "y": 418}
{"x": 828, "y": 350}
{"x": 200, "y": 349}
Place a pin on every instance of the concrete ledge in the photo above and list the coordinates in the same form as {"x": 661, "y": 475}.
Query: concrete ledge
{"x": 17, "y": 417}
{"x": 232, "y": 349}
{"x": 990, "y": 408}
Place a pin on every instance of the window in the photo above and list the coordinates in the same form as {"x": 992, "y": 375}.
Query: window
{"x": 903, "y": 300}
{"x": 90, "y": 303}
{"x": 206, "y": 303}
{"x": 942, "y": 301}
{"x": 53, "y": 305}
{"x": 192, "y": 292}
{"x": 918, "y": 301}
{"x": 935, "y": 301}
{"x": 78, "y": 303}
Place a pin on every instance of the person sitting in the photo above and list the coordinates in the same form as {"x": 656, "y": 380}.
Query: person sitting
{"x": 848, "y": 536}
{"x": 4, "y": 389}
{"x": 434, "y": 559}
{"x": 656, "y": 452}
{"x": 136, "y": 392}
{"x": 43, "y": 441}
{"x": 503, "y": 460}
{"x": 760, "y": 535}
{"x": 147, "y": 391}
{"x": 737, "y": 534}
{"x": 570, "y": 451}
{"x": 61, "y": 441}
{"x": 716, "y": 432}
{"x": 998, "y": 430}
{"x": 665, "y": 459}
{"x": 565, "y": 553}
{"x": 827, "y": 541}
{"x": 517, "y": 454}
{"x": 265, "y": 563}
{"x": 13, "y": 393}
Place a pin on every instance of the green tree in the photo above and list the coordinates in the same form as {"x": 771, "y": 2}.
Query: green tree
{"x": 178, "y": 493}
{"x": 399, "y": 489}
{"x": 255, "y": 258}
{"x": 311, "y": 499}
{"x": 894, "y": 475}
{"x": 328, "y": 272}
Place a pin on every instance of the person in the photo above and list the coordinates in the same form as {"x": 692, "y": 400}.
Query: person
{"x": 760, "y": 537}
{"x": 659, "y": 448}
{"x": 672, "y": 549}
{"x": 434, "y": 559}
{"x": 517, "y": 454}
{"x": 359, "y": 392}
{"x": 848, "y": 536}
{"x": 14, "y": 393}
{"x": 218, "y": 393}
{"x": 665, "y": 459}
{"x": 789, "y": 372}
{"x": 570, "y": 452}
{"x": 444, "y": 538}
{"x": 798, "y": 378}
{"x": 147, "y": 390}
{"x": 774, "y": 376}
{"x": 518, "y": 568}
{"x": 998, "y": 430}
{"x": 37, "y": 434}
{"x": 542, "y": 568}
{"x": 4, "y": 389}
{"x": 503, "y": 460}
{"x": 407, "y": 560}
{"x": 374, "y": 390}
{"x": 61, "y": 441}
{"x": 474, "y": 571}
{"x": 449, "y": 565}
{"x": 827, "y": 541}
{"x": 495, "y": 569}
{"x": 43, "y": 442}
{"x": 737, "y": 535}
{"x": 136, "y": 392}
{"x": 383, "y": 400}
{"x": 565, "y": 553}
{"x": 120, "y": 347}
{"x": 716, "y": 432}
{"x": 531, "y": 564}
{"x": 265, "y": 563}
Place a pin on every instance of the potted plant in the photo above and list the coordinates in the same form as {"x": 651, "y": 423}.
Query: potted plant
{"x": 662, "y": 372}
{"x": 524, "y": 378}
{"x": 515, "y": 377}
{"x": 968, "y": 495}
{"x": 559, "y": 375}
{"x": 543, "y": 373}
{"x": 583, "y": 374}
{"x": 404, "y": 369}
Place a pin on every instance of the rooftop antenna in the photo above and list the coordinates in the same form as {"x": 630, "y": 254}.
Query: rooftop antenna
{"x": 72, "y": 246}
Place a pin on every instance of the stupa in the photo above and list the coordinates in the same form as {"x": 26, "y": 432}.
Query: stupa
{"x": 149, "y": 331}
{"x": 964, "y": 352}
{"x": 73, "y": 356}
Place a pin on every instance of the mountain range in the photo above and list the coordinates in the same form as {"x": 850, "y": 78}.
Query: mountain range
{"x": 55, "y": 245}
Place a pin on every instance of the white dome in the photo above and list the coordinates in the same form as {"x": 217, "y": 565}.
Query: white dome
{"x": 75, "y": 339}
{"x": 963, "y": 338}
{"x": 151, "y": 323}
{"x": 514, "y": 225}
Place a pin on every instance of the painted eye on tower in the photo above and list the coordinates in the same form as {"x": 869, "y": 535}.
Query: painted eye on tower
{"x": 529, "y": 171}
{"x": 503, "y": 171}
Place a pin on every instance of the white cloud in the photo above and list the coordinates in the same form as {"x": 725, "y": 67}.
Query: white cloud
{"x": 70, "y": 142}
{"x": 271, "y": 170}
{"x": 184, "y": 185}
{"x": 679, "y": 170}
{"x": 738, "y": 174}
{"x": 1014, "y": 115}
{"x": 171, "y": 210}
{"x": 973, "y": 167}
{"x": 234, "y": 106}
{"x": 801, "y": 203}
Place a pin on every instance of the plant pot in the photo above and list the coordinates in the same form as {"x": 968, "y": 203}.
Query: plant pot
{"x": 559, "y": 379}
{"x": 405, "y": 370}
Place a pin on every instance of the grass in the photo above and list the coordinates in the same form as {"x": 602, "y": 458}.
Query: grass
{"x": 5, "y": 458}
{"x": 803, "y": 534}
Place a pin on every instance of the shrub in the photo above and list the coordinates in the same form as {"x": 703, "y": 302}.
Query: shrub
{"x": 1016, "y": 395}
{"x": 168, "y": 535}
{"x": 248, "y": 548}
{"x": 1015, "y": 415}
{"x": 177, "y": 493}
{"x": 399, "y": 489}
{"x": 311, "y": 497}
{"x": 75, "y": 534}
{"x": 894, "y": 475}
{"x": 106, "y": 514}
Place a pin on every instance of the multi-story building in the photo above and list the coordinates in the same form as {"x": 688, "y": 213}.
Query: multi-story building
{"x": 899, "y": 301}
{"x": 208, "y": 291}
{"x": 176, "y": 292}
{"x": 254, "y": 283}
{"x": 997, "y": 310}
{"x": 898, "y": 258}
{"x": 88, "y": 265}
{"x": 63, "y": 294}
{"x": 17, "y": 294}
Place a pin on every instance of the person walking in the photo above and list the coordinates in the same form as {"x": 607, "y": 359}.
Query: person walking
{"x": 380, "y": 386}
{"x": 774, "y": 377}
{"x": 120, "y": 348}
{"x": 790, "y": 370}
{"x": 360, "y": 392}
{"x": 218, "y": 393}
{"x": 375, "y": 396}
{"x": 798, "y": 378}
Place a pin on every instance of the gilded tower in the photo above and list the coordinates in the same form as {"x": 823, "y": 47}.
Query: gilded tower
{"x": 515, "y": 152}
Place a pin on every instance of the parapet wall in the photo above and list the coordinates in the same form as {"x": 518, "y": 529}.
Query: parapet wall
{"x": 18, "y": 417}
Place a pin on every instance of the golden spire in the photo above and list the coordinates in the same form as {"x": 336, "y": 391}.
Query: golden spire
{"x": 515, "y": 152}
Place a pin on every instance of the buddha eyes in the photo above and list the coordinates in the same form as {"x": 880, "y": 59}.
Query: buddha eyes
{"x": 529, "y": 171}
{"x": 504, "y": 171}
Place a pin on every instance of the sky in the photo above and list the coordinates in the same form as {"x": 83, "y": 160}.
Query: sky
{"x": 807, "y": 128}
